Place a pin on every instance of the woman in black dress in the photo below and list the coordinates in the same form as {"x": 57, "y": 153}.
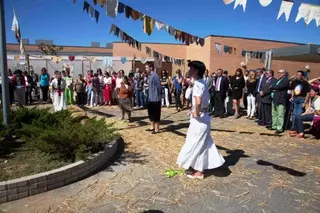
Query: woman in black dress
{"x": 237, "y": 85}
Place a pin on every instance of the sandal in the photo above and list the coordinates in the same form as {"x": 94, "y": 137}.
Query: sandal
{"x": 300, "y": 135}
{"x": 195, "y": 176}
{"x": 150, "y": 130}
{"x": 155, "y": 132}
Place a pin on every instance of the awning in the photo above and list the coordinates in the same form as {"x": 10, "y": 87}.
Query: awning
{"x": 301, "y": 53}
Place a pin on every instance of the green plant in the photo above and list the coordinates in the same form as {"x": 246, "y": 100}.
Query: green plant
{"x": 60, "y": 134}
{"x": 65, "y": 137}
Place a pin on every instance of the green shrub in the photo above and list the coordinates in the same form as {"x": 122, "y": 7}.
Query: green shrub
{"x": 59, "y": 134}
{"x": 65, "y": 137}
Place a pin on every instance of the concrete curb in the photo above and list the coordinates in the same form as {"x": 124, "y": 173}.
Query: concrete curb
{"x": 35, "y": 184}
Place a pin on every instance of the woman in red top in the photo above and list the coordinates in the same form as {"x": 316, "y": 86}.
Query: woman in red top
{"x": 107, "y": 90}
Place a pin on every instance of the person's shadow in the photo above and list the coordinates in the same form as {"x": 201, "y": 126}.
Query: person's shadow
{"x": 230, "y": 160}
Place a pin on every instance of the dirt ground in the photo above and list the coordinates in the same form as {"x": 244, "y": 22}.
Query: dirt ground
{"x": 263, "y": 172}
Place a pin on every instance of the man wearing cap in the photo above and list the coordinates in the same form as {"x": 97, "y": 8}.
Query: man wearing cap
{"x": 279, "y": 100}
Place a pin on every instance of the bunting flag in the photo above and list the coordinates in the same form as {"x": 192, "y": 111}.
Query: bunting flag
{"x": 123, "y": 60}
{"x": 115, "y": 6}
{"x": 304, "y": 12}
{"x": 285, "y": 8}
{"x": 94, "y": 14}
{"x": 112, "y": 8}
{"x": 218, "y": 47}
{"x": 136, "y": 44}
{"x": 242, "y": 3}
{"x": 164, "y": 57}
{"x": 314, "y": 15}
{"x": 125, "y": 37}
{"x": 228, "y": 1}
{"x": 16, "y": 57}
{"x": 16, "y": 28}
{"x": 308, "y": 12}
{"x": 265, "y": 3}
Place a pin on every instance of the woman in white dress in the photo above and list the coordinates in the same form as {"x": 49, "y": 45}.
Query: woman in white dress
{"x": 58, "y": 87}
{"x": 199, "y": 152}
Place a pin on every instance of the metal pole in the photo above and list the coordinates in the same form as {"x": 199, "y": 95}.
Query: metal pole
{"x": 4, "y": 68}
{"x": 27, "y": 61}
{"x": 269, "y": 60}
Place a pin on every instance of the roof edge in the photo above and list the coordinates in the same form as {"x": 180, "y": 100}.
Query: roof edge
{"x": 165, "y": 43}
{"x": 62, "y": 46}
{"x": 257, "y": 39}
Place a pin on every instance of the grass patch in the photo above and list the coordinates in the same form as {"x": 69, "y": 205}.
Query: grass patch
{"x": 46, "y": 141}
{"x": 17, "y": 160}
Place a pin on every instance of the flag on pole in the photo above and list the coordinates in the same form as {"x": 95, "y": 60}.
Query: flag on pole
{"x": 15, "y": 27}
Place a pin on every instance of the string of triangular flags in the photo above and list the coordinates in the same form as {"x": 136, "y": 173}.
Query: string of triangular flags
{"x": 233, "y": 51}
{"x": 136, "y": 44}
{"x": 16, "y": 28}
{"x": 114, "y": 7}
{"x": 308, "y": 12}
{"x": 94, "y": 14}
{"x": 125, "y": 37}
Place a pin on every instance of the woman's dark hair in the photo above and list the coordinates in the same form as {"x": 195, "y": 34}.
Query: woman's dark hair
{"x": 164, "y": 73}
{"x": 18, "y": 72}
{"x": 300, "y": 71}
{"x": 198, "y": 65}
{"x": 95, "y": 75}
{"x": 107, "y": 74}
{"x": 99, "y": 71}
{"x": 125, "y": 80}
{"x": 240, "y": 71}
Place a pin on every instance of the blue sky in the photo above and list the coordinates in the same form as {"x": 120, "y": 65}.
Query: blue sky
{"x": 66, "y": 23}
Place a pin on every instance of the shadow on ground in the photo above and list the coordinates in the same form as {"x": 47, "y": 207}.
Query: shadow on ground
{"x": 97, "y": 112}
{"x": 123, "y": 156}
{"x": 281, "y": 168}
{"x": 7, "y": 147}
{"x": 231, "y": 159}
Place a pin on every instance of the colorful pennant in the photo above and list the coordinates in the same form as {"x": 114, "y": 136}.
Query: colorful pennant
{"x": 91, "y": 11}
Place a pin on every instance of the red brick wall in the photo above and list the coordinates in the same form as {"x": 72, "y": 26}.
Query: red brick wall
{"x": 171, "y": 50}
{"x": 209, "y": 55}
{"x": 231, "y": 62}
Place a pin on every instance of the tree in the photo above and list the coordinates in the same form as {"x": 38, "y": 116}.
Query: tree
{"x": 49, "y": 49}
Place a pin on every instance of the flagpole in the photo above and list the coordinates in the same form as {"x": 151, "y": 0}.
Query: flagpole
{"x": 4, "y": 68}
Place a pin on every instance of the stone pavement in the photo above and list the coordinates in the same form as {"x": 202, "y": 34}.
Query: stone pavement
{"x": 263, "y": 173}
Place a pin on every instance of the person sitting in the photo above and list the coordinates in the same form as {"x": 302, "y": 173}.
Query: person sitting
{"x": 309, "y": 115}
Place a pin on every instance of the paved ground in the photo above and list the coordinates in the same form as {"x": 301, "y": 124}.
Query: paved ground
{"x": 263, "y": 173}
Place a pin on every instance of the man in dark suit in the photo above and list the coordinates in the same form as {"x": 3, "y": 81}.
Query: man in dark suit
{"x": 261, "y": 82}
{"x": 209, "y": 82}
{"x": 279, "y": 102}
{"x": 221, "y": 90}
{"x": 266, "y": 99}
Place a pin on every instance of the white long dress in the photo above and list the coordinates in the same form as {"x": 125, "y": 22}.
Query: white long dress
{"x": 199, "y": 151}
{"x": 59, "y": 99}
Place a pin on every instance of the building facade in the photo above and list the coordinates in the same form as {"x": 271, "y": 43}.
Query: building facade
{"x": 125, "y": 57}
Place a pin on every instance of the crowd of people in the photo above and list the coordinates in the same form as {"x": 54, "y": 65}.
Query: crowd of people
{"x": 275, "y": 101}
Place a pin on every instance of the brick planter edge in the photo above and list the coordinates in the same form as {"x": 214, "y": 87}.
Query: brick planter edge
{"x": 35, "y": 184}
